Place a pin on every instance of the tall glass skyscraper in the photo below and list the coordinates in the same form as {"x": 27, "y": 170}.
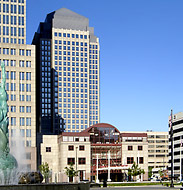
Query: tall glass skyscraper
{"x": 67, "y": 58}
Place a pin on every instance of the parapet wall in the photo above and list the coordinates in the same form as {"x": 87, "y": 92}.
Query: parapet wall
{"x": 52, "y": 186}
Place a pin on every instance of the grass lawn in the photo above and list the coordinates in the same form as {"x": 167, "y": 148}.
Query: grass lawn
{"x": 142, "y": 184}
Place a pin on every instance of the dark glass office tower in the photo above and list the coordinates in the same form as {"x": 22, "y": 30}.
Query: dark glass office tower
{"x": 67, "y": 66}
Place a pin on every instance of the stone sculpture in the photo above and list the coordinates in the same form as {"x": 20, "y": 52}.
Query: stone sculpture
{"x": 7, "y": 162}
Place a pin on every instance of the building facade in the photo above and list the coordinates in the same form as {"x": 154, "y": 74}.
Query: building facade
{"x": 135, "y": 149}
{"x": 177, "y": 124}
{"x": 60, "y": 151}
{"x": 100, "y": 152}
{"x": 13, "y": 22}
{"x": 19, "y": 60}
{"x": 68, "y": 66}
{"x": 157, "y": 150}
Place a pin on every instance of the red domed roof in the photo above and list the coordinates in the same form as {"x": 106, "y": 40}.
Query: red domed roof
{"x": 103, "y": 125}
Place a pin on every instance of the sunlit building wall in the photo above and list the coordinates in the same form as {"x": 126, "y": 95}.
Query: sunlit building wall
{"x": 74, "y": 61}
{"x": 19, "y": 60}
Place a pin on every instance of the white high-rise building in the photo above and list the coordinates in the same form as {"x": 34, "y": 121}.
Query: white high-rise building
{"x": 13, "y": 21}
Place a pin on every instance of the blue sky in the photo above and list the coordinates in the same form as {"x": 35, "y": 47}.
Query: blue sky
{"x": 141, "y": 66}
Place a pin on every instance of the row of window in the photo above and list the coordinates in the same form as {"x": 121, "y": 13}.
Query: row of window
{"x": 77, "y": 69}
{"x": 159, "y": 155}
{"x": 158, "y": 146}
{"x": 13, "y": 40}
{"x": 77, "y": 122}
{"x": 130, "y": 160}
{"x": 69, "y": 43}
{"x": 158, "y": 141}
{"x": 22, "y": 75}
{"x": 94, "y": 112}
{"x": 73, "y": 111}
{"x": 13, "y": 121}
{"x": 23, "y": 52}
{"x": 68, "y": 35}
{"x": 73, "y": 101}
{"x": 13, "y": 8}
{"x": 93, "y": 61}
{"x": 28, "y": 143}
{"x": 13, "y": 31}
{"x": 74, "y": 106}
{"x": 83, "y": 82}
{"x": 13, "y": 20}
{"x": 158, "y": 136}
{"x": 67, "y": 53}
{"x": 21, "y": 97}
{"x": 76, "y": 127}
{"x": 66, "y": 58}
{"x": 46, "y": 49}
{"x": 45, "y": 42}
{"x": 73, "y": 74}
{"x": 93, "y": 47}
{"x": 75, "y": 85}
{"x": 93, "y": 122}
{"x": 74, "y": 49}
{"x": 22, "y": 121}
{"x": 21, "y": 132}
{"x": 74, "y": 116}
{"x": 94, "y": 117}
{"x": 14, "y": 1}
{"x": 13, "y": 64}
{"x": 81, "y": 161}
{"x": 71, "y": 147}
{"x": 131, "y": 147}
{"x": 69, "y": 95}
{"x": 68, "y": 64}
{"x": 22, "y": 109}
{"x": 22, "y": 87}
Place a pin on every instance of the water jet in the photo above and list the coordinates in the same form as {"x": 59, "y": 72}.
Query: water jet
{"x": 8, "y": 163}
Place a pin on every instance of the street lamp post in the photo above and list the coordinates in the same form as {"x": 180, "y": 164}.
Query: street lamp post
{"x": 76, "y": 163}
{"x": 76, "y": 159}
{"x": 171, "y": 139}
{"x": 91, "y": 165}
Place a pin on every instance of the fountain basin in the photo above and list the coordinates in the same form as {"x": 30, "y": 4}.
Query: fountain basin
{"x": 50, "y": 186}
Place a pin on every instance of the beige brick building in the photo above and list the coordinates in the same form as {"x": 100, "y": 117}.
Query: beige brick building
{"x": 157, "y": 150}
{"x": 61, "y": 150}
{"x": 19, "y": 60}
{"x": 20, "y": 86}
{"x": 92, "y": 150}
{"x": 135, "y": 149}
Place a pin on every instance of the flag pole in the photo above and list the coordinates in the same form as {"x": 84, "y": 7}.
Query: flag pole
{"x": 180, "y": 158}
{"x": 171, "y": 139}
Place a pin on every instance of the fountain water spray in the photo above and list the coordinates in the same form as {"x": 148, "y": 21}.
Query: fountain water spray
{"x": 8, "y": 163}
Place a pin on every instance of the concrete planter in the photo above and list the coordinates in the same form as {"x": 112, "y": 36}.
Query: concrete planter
{"x": 52, "y": 186}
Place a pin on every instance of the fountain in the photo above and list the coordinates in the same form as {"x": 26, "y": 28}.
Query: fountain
{"x": 9, "y": 174}
{"x": 8, "y": 163}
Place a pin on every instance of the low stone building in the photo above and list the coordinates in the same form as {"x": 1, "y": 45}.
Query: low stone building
{"x": 61, "y": 150}
{"x": 135, "y": 149}
{"x": 98, "y": 153}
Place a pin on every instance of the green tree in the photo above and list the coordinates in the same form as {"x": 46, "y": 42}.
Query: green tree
{"x": 135, "y": 170}
{"x": 44, "y": 169}
{"x": 149, "y": 171}
{"x": 161, "y": 173}
{"x": 71, "y": 172}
